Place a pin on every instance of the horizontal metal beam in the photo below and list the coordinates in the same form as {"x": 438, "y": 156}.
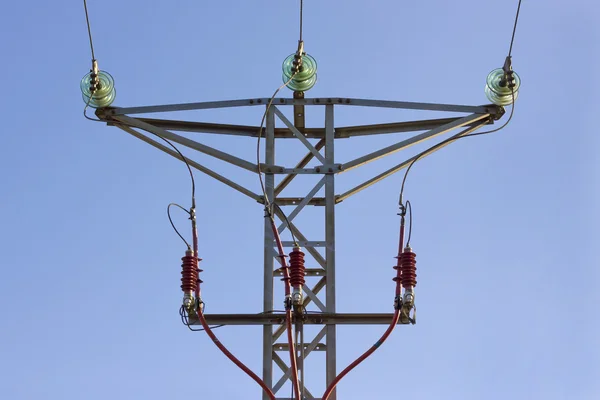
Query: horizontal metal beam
{"x": 308, "y": 271}
{"x": 468, "y": 120}
{"x": 395, "y": 127}
{"x": 286, "y": 346}
{"x": 307, "y": 319}
{"x": 292, "y": 201}
{"x": 307, "y": 243}
{"x": 487, "y": 109}
{"x": 343, "y": 132}
{"x": 228, "y": 129}
{"x": 406, "y": 105}
{"x": 204, "y": 127}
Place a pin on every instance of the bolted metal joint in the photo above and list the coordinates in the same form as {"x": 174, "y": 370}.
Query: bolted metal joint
{"x": 297, "y": 63}
{"x": 297, "y": 297}
{"x": 188, "y": 300}
{"x": 409, "y": 299}
{"x": 398, "y": 302}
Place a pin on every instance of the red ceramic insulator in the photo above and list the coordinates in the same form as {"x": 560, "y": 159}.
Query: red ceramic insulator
{"x": 297, "y": 269}
{"x": 408, "y": 267}
{"x": 189, "y": 272}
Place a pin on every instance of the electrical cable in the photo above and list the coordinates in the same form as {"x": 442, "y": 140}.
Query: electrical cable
{"x": 512, "y": 40}
{"x": 288, "y": 314}
{"x": 87, "y": 20}
{"x": 278, "y": 240}
{"x": 173, "y": 225}
{"x": 409, "y": 207}
{"x": 472, "y": 134}
{"x": 269, "y": 104}
{"x": 228, "y": 354}
{"x": 287, "y": 221}
{"x": 89, "y": 29}
{"x": 301, "y": 17}
{"x": 443, "y": 142}
{"x": 85, "y": 111}
{"x": 363, "y": 357}
{"x": 269, "y": 212}
{"x": 209, "y": 332}
{"x": 185, "y": 320}
{"x": 260, "y": 133}
{"x": 388, "y": 331}
{"x": 302, "y": 357}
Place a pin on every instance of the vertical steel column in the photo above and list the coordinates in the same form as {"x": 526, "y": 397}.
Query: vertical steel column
{"x": 330, "y": 246}
{"x": 268, "y": 256}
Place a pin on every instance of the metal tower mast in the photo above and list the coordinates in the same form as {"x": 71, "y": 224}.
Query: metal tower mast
{"x": 320, "y": 145}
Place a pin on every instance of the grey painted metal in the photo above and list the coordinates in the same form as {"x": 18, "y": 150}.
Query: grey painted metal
{"x": 292, "y": 201}
{"x": 207, "y": 105}
{"x": 302, "y": 204}
{"x": 282, "y": 365}
{"x": 309, "y": 272}
{"x": 312, "y": 346}
{"x": 316, "y": 289}
{"x": 403, "y": 165}
{"x": 189, "y": 143}
{"x": 299, "y": 135}
{"x": 192, "y": 163}
{"x": 395, "y": 127}
{"x": 405, "y": 105}
{"x": 312, "y": 318}
{"x": 301, "y": 164}
{"x": 310, "y": 101}
{"x": 308, "y": 243}
{"x": 284, "y": 133}
{"x": 269, "y": 180}
{"x": 204, "y": 127}
{"x": 314, "y": 253}
{"x": 331, "y": 340}
{"x": 412, "y": 141}
{"x": 315, "y": 299}
{"x": 284, "y": 346}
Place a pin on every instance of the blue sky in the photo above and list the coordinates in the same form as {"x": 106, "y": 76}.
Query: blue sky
{"x": 505, "y": 224}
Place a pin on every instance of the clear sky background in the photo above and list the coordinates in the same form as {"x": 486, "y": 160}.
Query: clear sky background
{"x": 504, "y": 225}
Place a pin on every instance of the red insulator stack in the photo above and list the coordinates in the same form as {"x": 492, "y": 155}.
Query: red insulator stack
{"x": 408, "y": 268}
{"x": 297, "y": 269}
{"x": 189, "y": 272}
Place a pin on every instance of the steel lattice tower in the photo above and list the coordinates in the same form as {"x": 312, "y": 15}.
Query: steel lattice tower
{"x": 320, "y": 146}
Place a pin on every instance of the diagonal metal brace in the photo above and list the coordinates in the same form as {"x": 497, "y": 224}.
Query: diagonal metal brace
{"x": 299, "y": 135}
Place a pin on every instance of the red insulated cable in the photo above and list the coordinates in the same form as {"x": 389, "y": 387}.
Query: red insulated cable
{"x": 210, "y": 333}
{"x": 398, "y": 278}
{"x": 366, "y": 354}
{"x": 288, "y": 314}
{"x": 387, "y": 333}
{"x": 233, "y": 358}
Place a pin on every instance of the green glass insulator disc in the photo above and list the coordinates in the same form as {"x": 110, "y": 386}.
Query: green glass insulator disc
{"x": 499, "y": 94}
{"x": 303, "y": 80}
{"x": 104, "y": 95}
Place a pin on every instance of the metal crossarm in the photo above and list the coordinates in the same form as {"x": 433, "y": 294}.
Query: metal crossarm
{"x": 319, "y": 144}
